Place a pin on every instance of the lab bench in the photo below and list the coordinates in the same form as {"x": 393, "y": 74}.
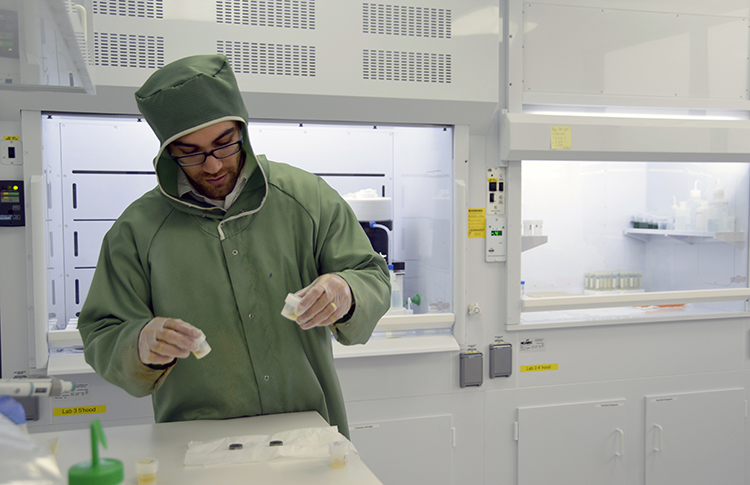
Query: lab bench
{"x": 168, "y": 443}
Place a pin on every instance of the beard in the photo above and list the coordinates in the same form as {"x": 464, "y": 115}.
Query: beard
{"x": 217, "y": 186}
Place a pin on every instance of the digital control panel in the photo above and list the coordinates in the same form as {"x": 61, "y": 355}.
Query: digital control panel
{"x": 495, "y": 216}
{"x": 11, "y": 203}
{"x": 496, "y": 191}
{"x": 495, "y": 239}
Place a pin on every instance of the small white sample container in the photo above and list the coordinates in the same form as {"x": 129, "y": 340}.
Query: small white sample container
{"x": 339, "y": 450}
{"x": 146, "y": 470}
{"x": 291, "y": 302}
{"x": 203, "y": 348}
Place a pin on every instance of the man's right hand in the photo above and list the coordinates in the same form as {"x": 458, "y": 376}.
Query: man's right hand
{"x": 163, "y": 340}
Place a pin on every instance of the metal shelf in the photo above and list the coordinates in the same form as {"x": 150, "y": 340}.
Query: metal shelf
{"x": 735, "y": 238}
{"x": 530, "y": 242}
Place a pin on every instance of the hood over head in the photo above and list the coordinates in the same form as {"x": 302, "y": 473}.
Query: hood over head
{"x": 185, "y": 96}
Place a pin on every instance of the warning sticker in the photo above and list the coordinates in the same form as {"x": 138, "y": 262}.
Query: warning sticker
{"x": 477, "y": 223}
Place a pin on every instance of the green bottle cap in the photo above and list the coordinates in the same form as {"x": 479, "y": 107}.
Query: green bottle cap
{"x": 104, "y": 471}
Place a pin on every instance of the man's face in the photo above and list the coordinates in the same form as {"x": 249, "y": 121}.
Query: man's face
{"x": 214, "y": 178}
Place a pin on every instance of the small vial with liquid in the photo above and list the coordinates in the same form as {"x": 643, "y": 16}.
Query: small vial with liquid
{"x": 146, "y": 470}
{"x": 291, "y": 302}
{"x": 203, "y": 348}
{"x": 339, "y": 450}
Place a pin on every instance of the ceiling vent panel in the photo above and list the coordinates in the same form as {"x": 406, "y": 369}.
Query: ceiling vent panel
{"x": 407, "y": 21}
{"x": 419, "y": 67}
{"x": 128, "y": 50}
{"x": 286, "y": 14}
{"x": 149, "y": 9}
{"x": 269, "y": 59}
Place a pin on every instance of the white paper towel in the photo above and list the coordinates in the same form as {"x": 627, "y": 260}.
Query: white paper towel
{"x": 297, "y": 443}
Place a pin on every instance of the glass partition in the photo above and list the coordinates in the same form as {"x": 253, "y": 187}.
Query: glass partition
{"x": 642, "y": 239}
{"x": 45, "y": 46}
{"x": 409, "y": 167}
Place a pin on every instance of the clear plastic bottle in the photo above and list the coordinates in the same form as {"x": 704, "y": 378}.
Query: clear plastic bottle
{"x": 682, "y": 217}
{"x": 718, "y": 212}
{"x": 693, "y": 203}
{"x": 397, "y": 305}
{"x": 701, "y": 217}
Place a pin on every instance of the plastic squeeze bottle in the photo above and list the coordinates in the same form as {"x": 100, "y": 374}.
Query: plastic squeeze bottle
{"x": 98, "y": 471}
{"x": 693, "y": 203}
{"x": 682, "y": 217}
{"x": 718, "y": 211}
{"x": 701, "y": 217}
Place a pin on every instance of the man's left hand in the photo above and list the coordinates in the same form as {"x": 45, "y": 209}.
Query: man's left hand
{"x": 324, "y": 302}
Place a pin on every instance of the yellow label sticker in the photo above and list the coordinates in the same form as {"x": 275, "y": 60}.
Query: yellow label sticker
{"x": 491, "y": 180}
{"x": 477, "y": 223}
{"x": 560, "y": 138}
{"x": 538, "y": 367}
{"x": 79, "y": 410}
{"x": 11, "y": 138}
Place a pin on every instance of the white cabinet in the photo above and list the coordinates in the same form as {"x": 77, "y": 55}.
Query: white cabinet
{"x": 695, "y": 438}
{"x": 580, "y": 443}
{"x": 689, "y": 438}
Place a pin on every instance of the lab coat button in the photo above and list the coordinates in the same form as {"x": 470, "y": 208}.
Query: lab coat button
{"x": 235, "y": 252}
{"x": 266, "y": 378}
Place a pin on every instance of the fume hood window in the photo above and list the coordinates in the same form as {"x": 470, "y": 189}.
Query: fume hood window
{"x": 633, "y": 234}
{"x": 95, "y": 166}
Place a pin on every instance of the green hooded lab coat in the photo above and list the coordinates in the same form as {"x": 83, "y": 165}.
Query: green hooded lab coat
{"x": 227, "y": 273}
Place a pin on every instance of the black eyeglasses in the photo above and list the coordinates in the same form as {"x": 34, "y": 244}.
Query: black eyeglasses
{"x": 198, "y": 158}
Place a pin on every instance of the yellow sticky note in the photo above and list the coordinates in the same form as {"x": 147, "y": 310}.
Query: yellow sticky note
{"x": 560, "y": 138}
{"x": 477, "y": 223}
{"x": 78, "y": 410}
{"x": 538, "y": 367}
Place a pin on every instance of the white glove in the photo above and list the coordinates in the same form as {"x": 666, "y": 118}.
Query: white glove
{"x": 163, "y": 340}
{"x": 324, "y": 301}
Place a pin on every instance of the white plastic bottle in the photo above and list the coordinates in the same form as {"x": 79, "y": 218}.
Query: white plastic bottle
{"x": 693, "y": 203}
{"x": 397, "y": 305}
{"x": 718, "y": 212}
{"x": 701, "y": 217}
{"x": 682, "y": 217}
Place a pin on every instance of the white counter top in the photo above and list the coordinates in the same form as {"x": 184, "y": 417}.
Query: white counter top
{"x": 167, "y": 442}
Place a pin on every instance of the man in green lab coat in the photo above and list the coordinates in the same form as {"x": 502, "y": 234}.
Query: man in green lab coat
{"x": 214, "y": 250}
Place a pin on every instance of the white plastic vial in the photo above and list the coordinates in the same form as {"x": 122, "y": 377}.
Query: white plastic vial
{"x": 146, "y": 470}
{"x": 339, "y": 450}
{"x": 203, "y": 347}
{"x": 291, "y": 302}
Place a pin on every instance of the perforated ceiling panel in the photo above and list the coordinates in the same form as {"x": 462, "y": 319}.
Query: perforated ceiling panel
{"x": 381, "y": 65}
{"x": 378, "y": 18}
{"x": 151, "y": 9}
{"x": 128, "y": 50}
{"x": 288, "y": 14}
{"x": 391, "y": 49}
{"x": 268, "y": 59}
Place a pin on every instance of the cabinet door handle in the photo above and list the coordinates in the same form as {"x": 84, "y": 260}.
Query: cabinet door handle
{"x": 621, "y": 433}
{"x": 661, "y": 438}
